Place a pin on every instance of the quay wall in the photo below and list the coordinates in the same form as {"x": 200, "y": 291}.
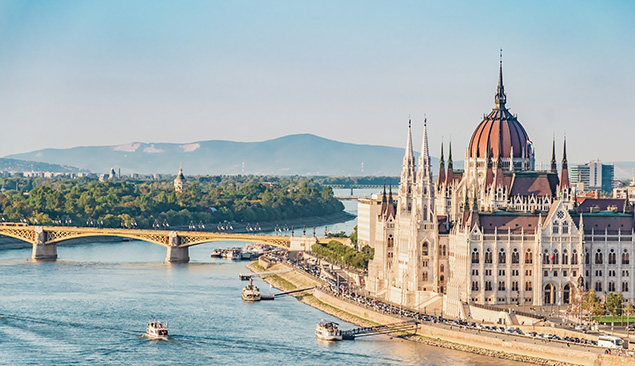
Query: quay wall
{"x": 537, "y": 350}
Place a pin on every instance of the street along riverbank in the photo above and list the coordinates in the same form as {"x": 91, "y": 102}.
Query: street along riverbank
{"x": 434, "y": 335}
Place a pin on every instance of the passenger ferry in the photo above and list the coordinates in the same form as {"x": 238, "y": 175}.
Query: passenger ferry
{"x": 251, "y": 292}
{"x": 328, "y": 331}
{"x": 156, "y": 330}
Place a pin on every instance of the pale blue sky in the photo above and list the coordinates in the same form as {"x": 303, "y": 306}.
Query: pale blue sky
{"x": 112, "y": 72}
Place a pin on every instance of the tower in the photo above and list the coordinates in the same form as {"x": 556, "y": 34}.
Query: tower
{"x": 179, "y": 182}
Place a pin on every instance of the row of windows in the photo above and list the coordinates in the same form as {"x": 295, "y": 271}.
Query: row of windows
{"x": 598, "y": 286}
{"x": 501, "y": 286}
{"x": 555, "y": 257}
{"x": 501, "y": 272}
{"x": 599, "y": 257}
{"x": 527, "y": 299}
{"x": 502, "y": 257}
{"x": 442, "y": 250}
{"x": 612, "y": 273}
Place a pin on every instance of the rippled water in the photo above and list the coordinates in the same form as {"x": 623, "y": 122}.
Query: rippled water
{"x": 91, "y": 307}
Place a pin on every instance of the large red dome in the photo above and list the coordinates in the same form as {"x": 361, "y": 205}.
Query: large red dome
{"x": 499, "y": 131}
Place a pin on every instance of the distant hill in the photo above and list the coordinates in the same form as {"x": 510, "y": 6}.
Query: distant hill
{"x": 302, "y": 154}
{"x": 15, "y": 165}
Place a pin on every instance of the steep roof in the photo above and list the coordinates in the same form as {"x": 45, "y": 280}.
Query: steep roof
{"x": 503, "y": 221}
{"x": 539, "y": 184}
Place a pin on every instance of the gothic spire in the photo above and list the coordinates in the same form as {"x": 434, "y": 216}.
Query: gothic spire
{"x": 564, "y": 174}
{"x": 449, "y": 179}
{"x": 441, "y": 178}
{"x": 554, "y": 168}
{"x": 500, "y": 97}
{"x": 409, "y": 156}
{"x": 424, "y": 158}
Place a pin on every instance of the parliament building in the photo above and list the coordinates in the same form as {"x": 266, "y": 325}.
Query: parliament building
{"x": 498, "y": 232}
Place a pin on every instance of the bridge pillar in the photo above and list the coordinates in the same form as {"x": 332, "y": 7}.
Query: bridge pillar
{"x": 41, "y": 250}
{"x": 176, "y": 254}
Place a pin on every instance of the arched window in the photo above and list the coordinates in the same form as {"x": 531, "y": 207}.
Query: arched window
{"x": 612, "y": 257}
{"x": 488, "y": 256}
{"x": 611, "y": 286}
{"x": 501, "y": 256}
{"x": 566, "y": 294}
{"x": 425, "y": 275}
{"x": 565, "y": 257}
{"x": 424, "y": 249}
{"x": 587, "y": 257}
{"x": 625, "y": 259}
{"x": 565, "y": 227}
{"x": 391, "y": 241}
{"x": 515, "y": 256}
{"x": 574, "y": 257}
{"x": 545, "y": 257}
{"x": 555, "y": 227}
{"x": 442, "y": 268}
{"x": 444, "y": 251}
{"x": 475, "y": 257}
{"x": 554, "y": 257}
{"x": 528, "y": 257}
{"x": 598, "y": 257}
{"x": 598, "y": 286}
{"x": 441, "y": 278}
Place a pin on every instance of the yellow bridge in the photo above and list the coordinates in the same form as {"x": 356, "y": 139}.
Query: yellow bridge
{"x": 45, "y": 238}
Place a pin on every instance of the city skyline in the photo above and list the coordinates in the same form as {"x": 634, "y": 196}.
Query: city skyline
{"x": 76, "y": 74}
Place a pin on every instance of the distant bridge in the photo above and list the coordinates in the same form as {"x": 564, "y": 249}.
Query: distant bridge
{"x": 45, "y": 238}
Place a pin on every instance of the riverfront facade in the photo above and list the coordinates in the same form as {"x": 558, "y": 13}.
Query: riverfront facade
{"x": 498, "y": 232}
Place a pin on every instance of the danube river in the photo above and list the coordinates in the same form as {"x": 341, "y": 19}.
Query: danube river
{"x": 91, "y": 307}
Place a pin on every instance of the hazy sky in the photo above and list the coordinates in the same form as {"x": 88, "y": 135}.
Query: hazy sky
{"x": 111, "y": 72}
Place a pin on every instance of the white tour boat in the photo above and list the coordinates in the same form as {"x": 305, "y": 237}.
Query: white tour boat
{"x": 251, "y": 292}
{"x": 328, "y": 331}
{"x": 157, "y": 330}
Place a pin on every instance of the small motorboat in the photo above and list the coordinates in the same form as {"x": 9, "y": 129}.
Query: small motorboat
{"x": 251, "y": 292}
{"x": 328, "y": 331}
{"x": 157, "y": 330}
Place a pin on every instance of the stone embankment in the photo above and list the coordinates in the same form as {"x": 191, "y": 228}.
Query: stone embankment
{"x": 434, "y": 336}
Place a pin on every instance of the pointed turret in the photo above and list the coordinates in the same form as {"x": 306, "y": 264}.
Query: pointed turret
{"x": 384, "y": 203}
{"x": 500, "y": 99}
{"x": 441, "y": 178}
{"x": 564, "y": 174}
{"x": 425, "y": 168}
{"x": 408, "y": 159}
{"x": 449, "y": 178}
{"x": 489, "y": 174}
{"x": 554, "y": 167}
{"x": 390, "y": 208}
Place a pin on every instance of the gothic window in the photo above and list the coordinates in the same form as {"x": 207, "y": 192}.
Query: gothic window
{"x": 624, "y": 286}
{"x": 625, "y": 259}
{"x": 444, "y": 251}
{"x": 587, "y": 257}
{"x": 565, "y": 257}
{"x": 555, "y": 227}
{"x": 528, "y": 257}
{"x": 425, "y": 275}
{"x": 488, "y": 285}
{"x": 488, "y": 256}
{"x": 612, "y": 257}
{"x": 501, "y": 256}
{"x": 598, "y": 257}
{"x": 501, "y": 286}
{"x": 424, "y": 249}
{"x": 611, "y": 286}
{"x": 391, "y": 241}
{"x": 442, "y": 268}
{"x": 565, "y": 227}
{"x": 514, "y": 286}
{"x": 574, "y": 257}
{"x": 554, "y": 257}
{"x": 528, "y": 286}
{"x": 598, "y": 286}
{"x": 441, "y": 278}
{"x": 545, "y": 257}
{"x": 474, "y": 285}
{"x": 475, "y": 257}
{"x": 515, "y": 256}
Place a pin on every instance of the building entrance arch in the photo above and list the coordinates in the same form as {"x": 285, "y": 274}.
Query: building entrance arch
{"x": 550, "y": 294}
{"x": 566, "y": 294}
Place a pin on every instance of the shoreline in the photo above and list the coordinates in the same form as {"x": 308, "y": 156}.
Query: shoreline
{"x": 298, "y": 279}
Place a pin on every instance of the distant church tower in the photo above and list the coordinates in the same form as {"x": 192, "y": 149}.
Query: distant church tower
{"x": 179, "y": 182}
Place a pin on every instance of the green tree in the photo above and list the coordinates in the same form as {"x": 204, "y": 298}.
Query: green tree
{"x": 614, "y": 303}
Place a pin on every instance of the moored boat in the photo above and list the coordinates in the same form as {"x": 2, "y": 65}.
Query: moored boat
{"x": 328, "y": 331}
{"x": 251, "y": 292}
{"x": 157, "y": 330}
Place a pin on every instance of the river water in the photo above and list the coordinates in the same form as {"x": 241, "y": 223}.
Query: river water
{"x": 91, "y": 306}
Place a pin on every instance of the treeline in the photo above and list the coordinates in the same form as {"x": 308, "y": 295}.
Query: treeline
{"x": 341, "y": 253}
{"x": 150, "y": 203}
